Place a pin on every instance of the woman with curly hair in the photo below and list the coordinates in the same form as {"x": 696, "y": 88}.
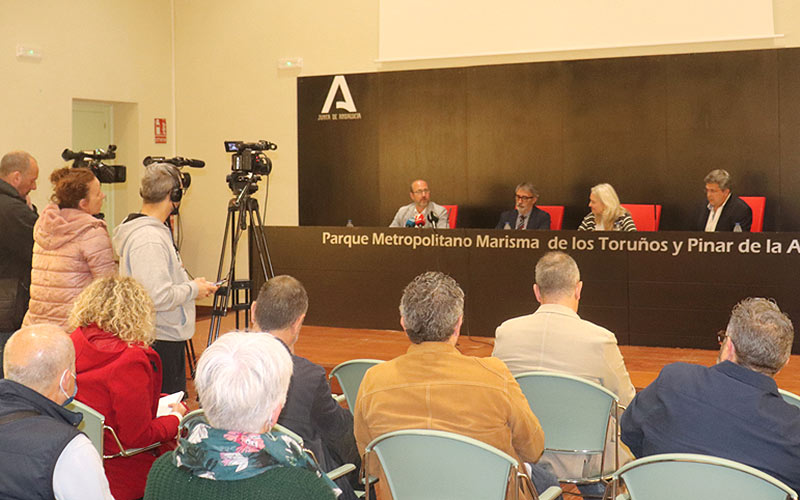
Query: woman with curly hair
{"x": 71, "y": 246}
{"x": 119, "y": 375}
{"x": 606, "y": 213}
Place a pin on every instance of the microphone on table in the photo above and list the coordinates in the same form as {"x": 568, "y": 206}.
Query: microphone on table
{"x": 433, "y": 218}
{"x": 410, "y": 223}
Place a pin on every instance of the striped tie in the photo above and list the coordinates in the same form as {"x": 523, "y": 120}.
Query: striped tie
{"x": 521, "y": 224}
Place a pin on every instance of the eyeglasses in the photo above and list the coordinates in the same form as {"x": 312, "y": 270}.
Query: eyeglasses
{"x": 524, "y": 198}
{"x": 721, "y": 336}
{"x": 421, "y": 191}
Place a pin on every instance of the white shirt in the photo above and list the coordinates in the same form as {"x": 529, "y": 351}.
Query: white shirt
{"x": 713, "y": 215}
{"x": 79, "y": 473}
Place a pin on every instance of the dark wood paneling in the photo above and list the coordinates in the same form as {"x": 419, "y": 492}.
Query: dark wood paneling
{"x": 652, "y": 126}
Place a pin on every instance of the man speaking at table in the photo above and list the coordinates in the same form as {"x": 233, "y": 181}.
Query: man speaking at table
{"x": 422, "y": 212}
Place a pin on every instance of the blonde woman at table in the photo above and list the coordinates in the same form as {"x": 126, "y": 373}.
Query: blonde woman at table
{"x": 606, "y": 212}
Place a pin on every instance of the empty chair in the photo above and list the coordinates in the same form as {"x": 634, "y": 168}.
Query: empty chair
{"x": 695, "y": 477}
{"x": 452, "y": 215}
{"x": 757, "y": 204}
{"x": 556, "y": 215}
{"x": 349, "y": 375}
{"x": 646, "y": 217}
{"x": 576, "y": 415}
{"x": 421, "y": 464}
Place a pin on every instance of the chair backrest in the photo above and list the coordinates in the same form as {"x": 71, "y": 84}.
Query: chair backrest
{"x": 452, "y": 215}
{"x": 349, "y": 375}
{"x": 790, "y": 397}
{"x": 574, "y": 412}
{"x": 646, "y": 217}
{"x": 92, "y": 423}
{"x": 427, "y": 464}
{"x": 757, "y": 204}
{"x": 556, "y": 215}
{"x": 694, "y": 477}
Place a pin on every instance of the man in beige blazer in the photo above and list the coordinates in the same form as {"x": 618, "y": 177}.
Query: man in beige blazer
{"x": 555, "y": 338}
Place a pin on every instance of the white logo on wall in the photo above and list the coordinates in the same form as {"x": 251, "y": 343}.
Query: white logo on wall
{"x": 347, "y": 104}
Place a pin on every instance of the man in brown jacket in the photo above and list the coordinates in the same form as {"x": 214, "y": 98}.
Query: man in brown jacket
{"x": 434, "y": 386}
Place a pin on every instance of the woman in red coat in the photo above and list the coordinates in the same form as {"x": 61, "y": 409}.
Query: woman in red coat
{"x": 119, "y": 375}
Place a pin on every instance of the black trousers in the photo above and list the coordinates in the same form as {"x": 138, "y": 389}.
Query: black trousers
{"x": 173, "y": 365}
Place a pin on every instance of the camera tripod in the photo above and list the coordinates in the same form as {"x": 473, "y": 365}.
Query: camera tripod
{"x": 237, "y": 294}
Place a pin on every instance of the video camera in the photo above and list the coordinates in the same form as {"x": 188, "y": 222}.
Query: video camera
{"x": 248, "y": 163}
{"x": 93, "y": 159}
{"x": 178, "y": 162}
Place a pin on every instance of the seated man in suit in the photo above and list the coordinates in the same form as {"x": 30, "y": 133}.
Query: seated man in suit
{"x": 723, "y": 210}
{"x": 731, "y": 410}
{"x": 526, "y": 215}
{"x": 421, "y": 212}
{"x": 310, "y": 411}
{"x": 434, "y": 386}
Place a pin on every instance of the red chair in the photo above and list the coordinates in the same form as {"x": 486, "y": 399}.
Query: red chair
{"x": 556, "y": 215}
{"x": 646, "y": 217}
{"x": 452, "y": 215}
{"x": 757, "y": 204}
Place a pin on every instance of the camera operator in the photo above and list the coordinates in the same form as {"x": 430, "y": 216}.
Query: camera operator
{"x": 147, "y": 253}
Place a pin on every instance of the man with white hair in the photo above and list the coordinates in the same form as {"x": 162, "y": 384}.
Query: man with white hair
{"x": 18, "y": 174}
{"x": 241, "y": 381}
{"x": 724, "y": 211}
{"x": 148, "y": 253}
{"x": 42, "y": 453}
{"x": 730, "y": 410}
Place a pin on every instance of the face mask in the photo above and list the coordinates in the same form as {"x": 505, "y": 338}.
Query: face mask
{"x": 61, "y": 388}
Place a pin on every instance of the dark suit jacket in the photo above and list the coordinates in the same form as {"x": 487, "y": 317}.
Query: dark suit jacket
{"x": 734, "y": 211}
{"x": 537, "y": 219}
{"x": 326, "y": 427}
{"x": 725, "y": 410}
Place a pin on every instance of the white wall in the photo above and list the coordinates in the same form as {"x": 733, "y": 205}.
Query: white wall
{"x": 227, "y": 84}
{"x": 115, "y": 51}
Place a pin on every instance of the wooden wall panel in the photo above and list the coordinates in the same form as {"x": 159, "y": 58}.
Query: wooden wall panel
{"x": 652, "y": 126}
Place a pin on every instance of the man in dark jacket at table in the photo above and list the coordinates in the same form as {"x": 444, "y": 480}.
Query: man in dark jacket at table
{"x": 724, "y": 210}
{"x": 526, "y": 215}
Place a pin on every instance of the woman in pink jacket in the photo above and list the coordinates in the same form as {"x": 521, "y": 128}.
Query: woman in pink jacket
{"x": 71, "y": 246}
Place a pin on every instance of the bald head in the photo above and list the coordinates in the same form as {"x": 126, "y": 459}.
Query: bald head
{"x": 37, "y": 356}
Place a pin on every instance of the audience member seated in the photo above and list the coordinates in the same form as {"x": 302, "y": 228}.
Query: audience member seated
{"x": 723, "y": 210}
{"x": 421, "y": 212}
{"x": 119, "y": 375}
{"x": 42, "y": 453}
{"x": 731, "y": 410}
{"x": 526, "y": 215}
{"x": 71, "y": 248}
{"x": 310, "y": 411}
{"x": 606, "y": 213}
{"x": 555, "y": 338}
{"x": 242, "y": 380}
{"x": 434, "y": 386}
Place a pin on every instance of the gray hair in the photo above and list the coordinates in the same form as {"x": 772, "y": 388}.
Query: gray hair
{"x": 719, "y": 177}
{"x": 158, "y": 180}
{"x": 37, "y": 355}
{"x": 241, "y": 379}
{"x": 15, "y": 161}
{"x": 762, "y": 335}
{"x": 431, "y": 306}
{"x": 280, "y": 302}
{"x": 527, "y": 186}
{"x": 557, "y": 275}
{"x": 608, "y": 197}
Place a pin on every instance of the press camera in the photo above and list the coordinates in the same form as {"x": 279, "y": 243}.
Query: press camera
{"x": 93, "y": 159}
{"x": 248, "y": 163}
